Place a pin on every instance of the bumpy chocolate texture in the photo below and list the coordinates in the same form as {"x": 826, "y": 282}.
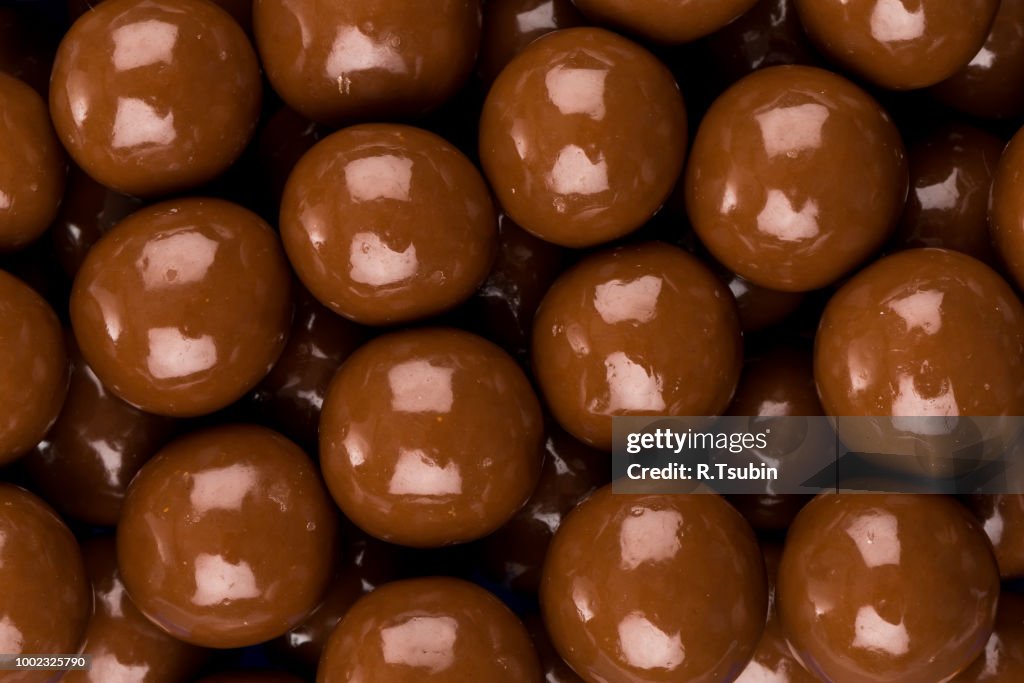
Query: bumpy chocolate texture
{"x": 665, "y": 21}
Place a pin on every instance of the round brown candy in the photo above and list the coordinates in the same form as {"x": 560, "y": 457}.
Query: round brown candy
{"x": 896, "y": 45}
{"x": 430, "y": 437}
{"x": 511, "y": 25}
{"x": 433, "y": 629}
{"x": 184, "y": 307}
{"x": 33, "y": 368}
{"x": 665, "y": 21}
{"x": 226, "y": 537}
{"x": 32, "y": 165}
{"x": 768, "y": 185}
{"x": 880, "y": 587}
{"x": 386, "y": 223}
{"x": 640, "y": 330}
{"x": 1003, "y": 658}
{"x": 769, "y": 34}
{"x": 1006, "y": 208}
{"x": 240, "y": 10}
{"x": 342, "y": 62}
{"x": 45, "y": 601}
{"x": 654, "y": 588}
{"x": 570, "y": 155}
{"x": 152, "y": 97}
{"x": 1002, "y": 517}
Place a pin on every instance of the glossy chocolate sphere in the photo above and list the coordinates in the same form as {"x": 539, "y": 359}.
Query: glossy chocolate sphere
{"x": 886, "y": 588}
{"x": 426, "y": 630}
{"x": 1002, "y": 517}
{"x": 768, "y": 185}
{"x": 45, "y": 599}
{"x": 570, "y": 155}
{"x": 226, "y": 537}
{"x": 32, "y": 165}
{"x": 665, "y": 21}
{"x": 511, "y": 25}
{"x": 184, "y": 307}
{"x": 1003, "y": 658}
{"x": 387, "y": 223}
{"x": 1006, "y": 208}
{"x": 896, "y": 45}
{"x": 770, "y": 34}
{"x": 33, "y": 368}
{"x": 654, "y": 588}
{"x": 430, "y": 437}
{"x": 342, "y": 62}
{"x": 155, "y": 96}
{"x": 640, "y": 330}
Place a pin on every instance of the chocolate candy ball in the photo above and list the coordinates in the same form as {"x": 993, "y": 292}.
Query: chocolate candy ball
{"x": 768, "y": 182}
{"x": 387, "y": 223}
{"x": 1002, "y": 517}
{"x": 1003, "y": 658}
{"x": 641, "y": 330}
{"x": 511, "y": 25}
{"x": 665, "y": 21}
{"x": 32, "y": 165}
{"x": 570, "y": 155}
{"x": 33, "y": 368}
{"x": 226, "y": 537}
{"x": 435, "y": 629}
{"x": 770, "y": 34}
{"x": 896, "y": 45}
{"x": 886, "y": 587}
{"x": 553, "y": 667}
{"x": 339, "y": 61}
{"x": 430, "y": 437}
{"x": 184, "y": 307}
{"x": 45, "y": 601}
{"x": 654, "y": 588}
{"x": 1006, "y": 208}
{"x": 155, "y": 96}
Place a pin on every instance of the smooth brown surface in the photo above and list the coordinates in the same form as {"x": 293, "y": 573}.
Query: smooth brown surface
{"x": 795, "y": 177}
{"x": 430, "y": 437}
{"x": 642, "y": 330}
{"x": 227, "y": 536}
{"x": 554, "y": 669}
{"x": 1006, "y": 208}
{"x": 761, "y": 308}
{"x": 665, "y": 21}
{"x": 33, "y": 368}
{"x": 896, "y": 44}
{"x": 346, "y": 62}
{"x": 1003, "y": 658}
{"x": 1002, "y": 517}
{"x": 425, "y": 630}
{"x": 45, "y": 599}
{"x": 769, "y": 34}
{"x": 511, "y": 25}
{"x": 125, "y": 646}
{"x": 155, "y": 96}
{"x": 654, "y": 588}
{"x": 184, "y": 307}
{"x": 32, "y": 165}
{"x": 569, "y": 154}
{"x": 386, "y": 223}
{"x": 240, "y": 10}
{"x": 886, "y": 588}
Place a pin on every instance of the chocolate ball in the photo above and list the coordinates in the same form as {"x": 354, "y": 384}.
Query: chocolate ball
{"x": 553, "y": 668}
{"x": 896, "y": 46}
{"x": 342, "y": 62}
{"x": 32, "y": 165}
{"x": 511, "y": 25}
{"x": 152, "y": 97}
{"x": 45, "y": 602}
{"x": 761, "y": 308}
{"x": 425, "y": 630}
{"x": 1002, "y": 518}
{"x": 33, "y": 368}
{"x": 665, "y": 21}
{"x": 769, "y": 34}
{"x": 184, "y": 307}
{"x": 654, "y": 588}
{"x": 570, "y": 155}
{"x": 430, "y": 437}
{"x": 1006, "y": 208}
{"x": 639, "y": 330}
{"x": 386, "y": 223}
{"x": 886, "y": 587}
{"x": 768, "y": 182}
{"x": 1003, "y": 658}
{"x": 226, "y": 537}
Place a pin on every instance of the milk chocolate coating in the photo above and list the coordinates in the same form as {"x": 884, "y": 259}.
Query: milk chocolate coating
{"x": 639, "y": 330}
{"x": 184, "y": 307}
{"x": 554, "y": 669}
{"x": 226, "y": 537}
{"x": 430, "y": 437}
{"x": 886, "y": 588}
{"x": 895, "y": 45}
{"x": 155, "y": 96}
{"x": 768, "y": 185}
{"x": 33, "y": 368}
{"x": 1006, "y": 208}
{"x": 770, "y": 34}
{"x": 32, "y": 165}
{"x": 85, "y": 463}
{"x": 654, "y": 588}
{"x": 665, "y": 21}
{"x": 343, "y": 62}
{"x": 426, "y": 630}
{"x": 240, "y": 10}
{"x": 1002, "y": 517}
{"x": 125, "y": 645}
{"x": 386, "y": 223}
{"x": 45, "y": 599}
{"x": 569, "y": 154}
{"x": 761, "y": 308}
{"x": 1003, "y": 658}
{"x": 511, "y": 25}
